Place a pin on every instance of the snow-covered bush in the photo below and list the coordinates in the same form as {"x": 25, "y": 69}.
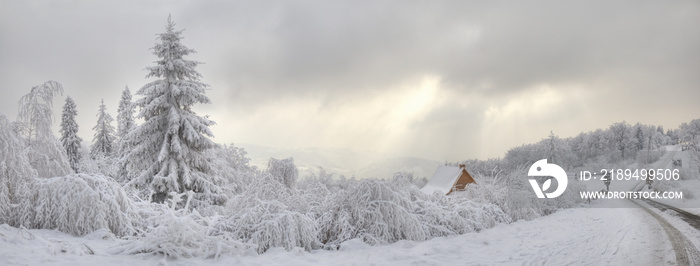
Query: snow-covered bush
{"x": 371, "y": 210}
{"x": 48, "y": 157}
{"x": 329, "y": 180}
{"x": 520, "y": 203}
{"x": 284, "y": 170}
{"x": 270, "y": 223}
{"x": 231, "y": 166}
{"x": 181, "y": 233}
{"x": 409, "y": 178}
{"x": 79, "y": 204}
{"x": 270, "y": 214}
{"x": 16, "y": 174}
{"x": 99, "y": 164}
{"x": 315, "y": 196}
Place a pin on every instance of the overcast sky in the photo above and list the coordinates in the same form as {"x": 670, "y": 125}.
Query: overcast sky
{"x": 439, "y": 80}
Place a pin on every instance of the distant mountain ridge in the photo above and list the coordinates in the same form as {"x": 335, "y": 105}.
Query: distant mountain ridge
{"x": 345, "y": 162}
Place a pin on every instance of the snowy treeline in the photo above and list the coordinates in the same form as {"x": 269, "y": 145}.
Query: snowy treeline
{"x": 621, "y": 141}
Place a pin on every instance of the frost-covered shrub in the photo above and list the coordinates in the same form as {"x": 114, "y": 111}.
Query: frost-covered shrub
{"x": 470, "y": 210}
{"x": 230, "y": 164}
{"x": 372, "y": 211}
{"x": 315, "y": 196}
{"x": 378, "y": 211}
{"x": 268, "y": 224}
{"x": 520, "y": 203}
{"x": 407, "y": 177}
{"x": 284, "y": 170}
{"x": 48, "y": 157}
{"x": 99, "y": 164}
{"x": 270, "y": 214}
{"x": 181, "y": 233}
{"x": 329, "y": 180}
{"x": 16, "y": 174}
{"x": 79, "y": 204}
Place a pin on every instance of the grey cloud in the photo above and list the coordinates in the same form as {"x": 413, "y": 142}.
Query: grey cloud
{"x": 336, "y": 48}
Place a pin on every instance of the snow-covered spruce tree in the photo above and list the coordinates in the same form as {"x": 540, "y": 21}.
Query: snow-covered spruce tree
{"x": 46, "y": 155}
{"x": 125, "y": 116}
{"x": 125, "y": 123}
{"x": 168, "y": 148}
{"x": 104, "y": 134}
{"x": 69, "y": 133}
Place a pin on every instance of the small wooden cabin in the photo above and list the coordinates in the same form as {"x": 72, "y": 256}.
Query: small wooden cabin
{"x": 447, "y": 179}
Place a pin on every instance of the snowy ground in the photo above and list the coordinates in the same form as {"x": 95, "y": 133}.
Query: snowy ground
{"x": 588, "y": 236}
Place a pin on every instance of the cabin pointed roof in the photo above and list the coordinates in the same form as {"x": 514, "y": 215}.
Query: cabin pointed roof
{"x": 443, "y": 180}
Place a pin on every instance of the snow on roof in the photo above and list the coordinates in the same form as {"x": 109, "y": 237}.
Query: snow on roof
{"x": 443, "y": 179}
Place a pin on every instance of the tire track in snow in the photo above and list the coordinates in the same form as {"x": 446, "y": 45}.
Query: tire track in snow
{"x": 690, "y": 218}
{"x": 686, "y": 253}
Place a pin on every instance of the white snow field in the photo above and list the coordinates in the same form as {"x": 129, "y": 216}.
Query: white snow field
{"x": 603, "y": 235}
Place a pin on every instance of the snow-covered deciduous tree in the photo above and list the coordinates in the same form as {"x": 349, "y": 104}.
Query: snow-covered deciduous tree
{"x": 125, "y": 116}
{"x": 690, "y": 133}
{"x": 284, "y": 170}
{"x": 46, "y": 155}
{"x": 102, "y": 143}
{"x": 168, "y": 147}
{"x": 69, "y": 133}
{"x": 35, "y": 110}
{"x": 16, "y": 174}
{"x": 621, "y": 137}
